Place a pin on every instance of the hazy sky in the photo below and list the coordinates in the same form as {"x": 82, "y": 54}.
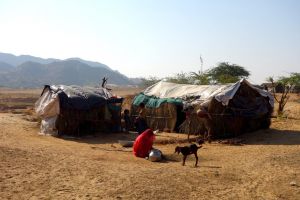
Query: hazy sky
{"x": 158, "y": 37}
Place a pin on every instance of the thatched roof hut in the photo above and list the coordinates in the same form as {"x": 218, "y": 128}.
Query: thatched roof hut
{"x": 234, "y": 108}
{"x": 74, "y": 110}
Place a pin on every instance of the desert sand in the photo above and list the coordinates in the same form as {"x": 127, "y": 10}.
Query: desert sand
{"x": 32, "y": 166}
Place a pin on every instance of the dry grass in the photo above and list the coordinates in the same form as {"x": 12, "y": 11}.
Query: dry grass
{"x": 41, "y": 167}
{"x": 124, "y": 91}
{"x": 15, "y": 99}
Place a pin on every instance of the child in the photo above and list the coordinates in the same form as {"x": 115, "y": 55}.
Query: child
{"x": 127, "y": 120}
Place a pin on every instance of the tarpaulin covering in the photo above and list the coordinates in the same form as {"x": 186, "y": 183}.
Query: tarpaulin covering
{"x": 73, "y": 97}
{"x": 47, "y": 105}
{"x": 198, "y": 93}
{"x": 154, "y": 102}
{"x": 81, "y": 98}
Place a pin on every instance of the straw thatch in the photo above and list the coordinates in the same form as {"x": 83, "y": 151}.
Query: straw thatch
{"x": 81, "y": 122}
{"x": 194, "y": 125}
{"x": 162, "y": 118}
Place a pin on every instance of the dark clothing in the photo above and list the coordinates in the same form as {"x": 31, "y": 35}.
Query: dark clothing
{"x": 127, "y": 122}
{"x": 141, "y": 125}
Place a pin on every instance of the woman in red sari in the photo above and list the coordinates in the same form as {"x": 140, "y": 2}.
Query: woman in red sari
{"x": 143, "y": 144}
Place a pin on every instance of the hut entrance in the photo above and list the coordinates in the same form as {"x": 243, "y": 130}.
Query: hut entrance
{"x": 180, "y": 117}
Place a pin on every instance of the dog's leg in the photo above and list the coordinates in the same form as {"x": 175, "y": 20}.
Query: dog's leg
{"x": 189, "y": 123}
{"x": 183, "y": 161}
{"x": 196, "y": 156}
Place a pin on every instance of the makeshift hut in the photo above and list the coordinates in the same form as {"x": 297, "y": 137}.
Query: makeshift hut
{"x": 234, "y": 108}
{"x": 74, "y": 110}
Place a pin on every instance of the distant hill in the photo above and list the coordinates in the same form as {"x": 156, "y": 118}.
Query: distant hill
{"x": 5, "y": 67}
{"x": 90, "y": 63}
{"x": 17, "y": 60}
{"x": 29, "y": 71}
{"x": 136, "y": 81}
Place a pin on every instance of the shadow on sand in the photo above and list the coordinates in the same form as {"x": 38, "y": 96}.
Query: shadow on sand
{"x": 102, "y": 138}
{"x": 262, "y": 137}
{"x": 272, "y": 137}
{"x": 112, "y": 138}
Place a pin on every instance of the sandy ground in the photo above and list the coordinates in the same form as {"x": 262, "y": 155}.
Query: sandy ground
{"x": 32, "y": 166}
{"x": 45, "y": 167}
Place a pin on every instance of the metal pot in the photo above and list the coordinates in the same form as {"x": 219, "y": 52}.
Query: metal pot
{"x": 155, "y": 155}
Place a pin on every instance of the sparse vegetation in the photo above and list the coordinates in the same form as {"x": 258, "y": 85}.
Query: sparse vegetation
{"x": 223, "y": 73}
{"x": 146, "y": 82}
{"x": 181, "y": 78}
{"x": 200, "y": 78}
{"x": 227, "y": 73}
{"x": 286, "y": 83}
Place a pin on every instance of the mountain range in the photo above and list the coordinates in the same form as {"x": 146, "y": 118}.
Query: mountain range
{"x": 29, "y": 72}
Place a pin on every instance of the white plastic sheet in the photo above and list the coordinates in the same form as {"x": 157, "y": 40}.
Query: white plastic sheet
{"x": 48, "y": 126}
{"x": 47, "y": 105}
{"x": 222, "y": 93}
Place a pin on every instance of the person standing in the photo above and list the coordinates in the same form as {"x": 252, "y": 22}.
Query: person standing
{"x": 204, "y": 114}
{"x": 127, "y": 120}
{"x": 141, "y": 123}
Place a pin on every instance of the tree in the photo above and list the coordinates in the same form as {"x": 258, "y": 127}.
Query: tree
{"x": 181, "y": 78}
{"x": 146, "y": 82}
{"x": 287, "y": 82}
{"x": 227, "y": 73}
{"x": 292, "y": 80}
{"x": 200, "y": 78}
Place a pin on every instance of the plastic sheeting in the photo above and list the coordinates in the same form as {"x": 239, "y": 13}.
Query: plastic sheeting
{"x": 47, "y": 105}
{"x": 74, "y": 91}
{"x": 200, "y": 93}
{"x": 81, "y": 98}
{"x": 48, "y": 126}
{"x": 227, "y": 94}
{"x": 154, "y": 102}
{"x": 59, "y": 97}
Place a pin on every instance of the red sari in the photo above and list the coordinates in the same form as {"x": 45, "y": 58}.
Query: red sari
{"x": 143, "y": 144}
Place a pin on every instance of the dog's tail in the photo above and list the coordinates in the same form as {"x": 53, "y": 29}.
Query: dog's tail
{"x": 198, "y": 147}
